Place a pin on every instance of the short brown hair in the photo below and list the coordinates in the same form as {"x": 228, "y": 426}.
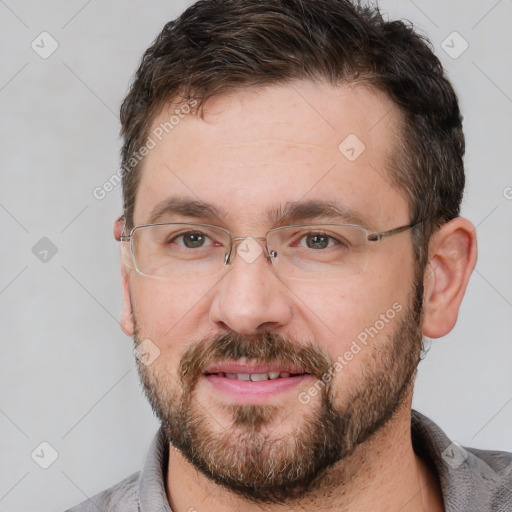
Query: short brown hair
{"x": 217, "y": 46}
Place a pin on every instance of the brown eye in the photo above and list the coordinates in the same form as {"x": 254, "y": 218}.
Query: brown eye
{"x": 193, "y": 240}
{"x": 190, "y": 239}
{"x": 317, "y": 241}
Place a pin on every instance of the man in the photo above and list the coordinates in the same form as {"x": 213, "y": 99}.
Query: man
{"x": 292, "y": 179}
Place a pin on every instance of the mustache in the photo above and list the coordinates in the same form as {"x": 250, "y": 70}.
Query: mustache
{"x": 264, "y": 348}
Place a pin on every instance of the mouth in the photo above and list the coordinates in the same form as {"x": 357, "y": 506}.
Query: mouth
{"x": 253, "y": 383}
{"x": 255, "y": 377}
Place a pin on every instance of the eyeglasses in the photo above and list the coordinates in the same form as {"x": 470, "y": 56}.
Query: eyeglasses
{"x": 191, "y": 252}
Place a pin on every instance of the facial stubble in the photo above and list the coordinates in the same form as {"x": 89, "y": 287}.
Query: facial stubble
{"x": 249, "y": 457}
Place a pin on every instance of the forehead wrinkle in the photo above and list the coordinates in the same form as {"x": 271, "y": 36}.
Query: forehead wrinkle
{"x": 275, "y": 141}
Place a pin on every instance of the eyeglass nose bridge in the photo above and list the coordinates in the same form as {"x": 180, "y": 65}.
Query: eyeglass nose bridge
{"x": 269, "y": 255}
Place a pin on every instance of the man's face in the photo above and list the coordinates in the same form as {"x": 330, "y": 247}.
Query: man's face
{"x": 255, "y": 152}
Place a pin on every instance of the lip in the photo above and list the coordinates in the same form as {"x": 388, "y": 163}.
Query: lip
{"x": 237, "y": 367}
{"x": 254, "y": 392}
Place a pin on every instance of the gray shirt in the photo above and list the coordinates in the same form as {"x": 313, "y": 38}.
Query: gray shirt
{"x": 471, "y": 480}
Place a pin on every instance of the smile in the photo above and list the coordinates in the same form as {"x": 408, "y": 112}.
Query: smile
{"x": 255, "y": 377}
{"x": 253, "y": 382}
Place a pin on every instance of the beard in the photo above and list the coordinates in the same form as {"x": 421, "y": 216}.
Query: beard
{"x": 247, "y": 457}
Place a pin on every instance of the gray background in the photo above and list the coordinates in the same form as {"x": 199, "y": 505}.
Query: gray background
{"x": 67, "y": 371}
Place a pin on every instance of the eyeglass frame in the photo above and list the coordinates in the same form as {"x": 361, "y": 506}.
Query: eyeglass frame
{"x": 370, "y": 237}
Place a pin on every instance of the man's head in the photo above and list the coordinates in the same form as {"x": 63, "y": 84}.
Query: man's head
{"x": 254, "y": 116}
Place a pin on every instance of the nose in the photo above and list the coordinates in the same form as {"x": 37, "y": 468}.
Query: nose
{"x": 250, "y": 298}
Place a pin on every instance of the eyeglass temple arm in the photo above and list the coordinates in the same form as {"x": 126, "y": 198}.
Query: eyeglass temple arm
{"x": 375, "y": 237}
{"x": 123, "y": 237}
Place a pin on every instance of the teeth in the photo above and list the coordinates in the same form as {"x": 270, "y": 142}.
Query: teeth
{"x": 255, "y": 377}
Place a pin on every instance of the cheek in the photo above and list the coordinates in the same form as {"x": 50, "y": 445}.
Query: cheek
{"x": 337, "y": 314}
{"x": 345, "y": 318}
{"x": 363, "y": 360}
{"x": 166, "y": 313}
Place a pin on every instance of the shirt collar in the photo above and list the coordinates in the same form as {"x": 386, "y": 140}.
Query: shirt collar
{"x": 152, "y": 493}
{"x": 467, "y": 481}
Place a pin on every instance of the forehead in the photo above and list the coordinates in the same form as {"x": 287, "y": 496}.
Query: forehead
{"x": 259, "y": 149}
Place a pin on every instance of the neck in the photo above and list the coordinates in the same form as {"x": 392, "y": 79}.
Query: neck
{"x": 382, "y": 473}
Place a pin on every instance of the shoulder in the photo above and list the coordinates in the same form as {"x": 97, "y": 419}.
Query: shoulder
{"x": 500, "y": 462}
{"x": 122, "y": 497}
{"x": 495, "y": 471}
{"x": 471, "y": 479}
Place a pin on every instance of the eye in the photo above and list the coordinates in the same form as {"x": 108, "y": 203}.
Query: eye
{"x": 316, "y": 241}
{"x": 320, "y": 240}
{"x": 191, "y": 239}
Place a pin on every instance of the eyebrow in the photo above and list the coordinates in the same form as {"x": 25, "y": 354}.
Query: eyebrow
{"x": 290, "y": 213}
{"x": 184, "y": 207}
{"x": 296, "y": 212}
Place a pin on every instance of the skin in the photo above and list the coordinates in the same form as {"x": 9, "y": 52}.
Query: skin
{"x": 261, "y": 148}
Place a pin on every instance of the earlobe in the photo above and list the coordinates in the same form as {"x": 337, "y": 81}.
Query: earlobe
{"x": 452, "y": 258}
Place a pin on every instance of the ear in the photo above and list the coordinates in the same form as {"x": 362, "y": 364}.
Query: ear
{"x": 127, "y": 321}
{"x": 452, "y": 258}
